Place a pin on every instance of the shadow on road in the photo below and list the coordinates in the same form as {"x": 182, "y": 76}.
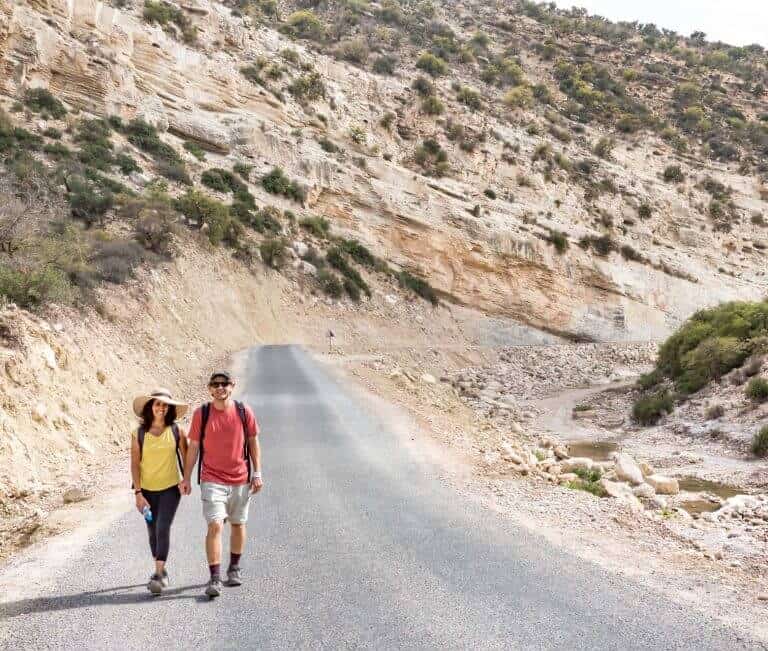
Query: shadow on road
{"x": 109, "y": 597}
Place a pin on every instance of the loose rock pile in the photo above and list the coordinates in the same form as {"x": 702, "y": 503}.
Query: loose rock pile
{"x": 526, "y": 372}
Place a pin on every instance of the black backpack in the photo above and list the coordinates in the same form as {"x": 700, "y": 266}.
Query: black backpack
{"x": 206, "y": 411}
{"x": 142, "y": 432}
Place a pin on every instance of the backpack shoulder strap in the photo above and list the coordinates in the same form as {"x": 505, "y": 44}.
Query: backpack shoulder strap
{"x": 205, "y": 411}
{"x": 140, "y": 434}
{"x": 244, "y": 420}
{"x": 177, "y": 438}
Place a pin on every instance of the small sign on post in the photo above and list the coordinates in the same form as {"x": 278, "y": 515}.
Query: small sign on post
{"x": 331, "y": 337}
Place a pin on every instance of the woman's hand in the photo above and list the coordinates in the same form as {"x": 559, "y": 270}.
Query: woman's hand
{"x": 141, "y": 502}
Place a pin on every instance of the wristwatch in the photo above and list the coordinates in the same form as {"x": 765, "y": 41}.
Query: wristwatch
{"x": 137, "y": 491}
{"x": 256, "y": 475}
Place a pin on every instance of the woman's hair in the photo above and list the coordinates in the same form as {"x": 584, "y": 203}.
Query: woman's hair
{"x": 147, "y": 416}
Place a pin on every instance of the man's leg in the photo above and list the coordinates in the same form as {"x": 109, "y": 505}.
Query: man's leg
{"x": 215, "y": 511}
{"x": 237, "y": 511}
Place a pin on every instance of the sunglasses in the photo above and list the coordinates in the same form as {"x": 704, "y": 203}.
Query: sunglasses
{"x": 218, "y": 385}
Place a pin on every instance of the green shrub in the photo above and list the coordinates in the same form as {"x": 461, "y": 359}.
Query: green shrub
{"x": 330, "y": 283}
{"x": 432, "y": 158}
{"x": 423, "y": 86}
{"x": 40, "y": 100}
{"x": 649, "y": 409}
{"x": 470, "y": 97}
{"x": 335, "y": 257}
{"x": 165, "y": 14}
{"x": 354, "y": 51}
{"x": 276, "y": 182}
{"x": 431, "y": 64}
{"x": 57, "y": 151}
{"x": 52, "y": 133}
{"x": 387, "y": 119}
{"x": 760, "y": 443}
{"x": 734, "y": 326}
{"x": 590, "y": 487}
{"x": 318, "y": 226}
{"x": 490, "y": 193}
{"x": 385, "y": 65}
{"x": 673, "y": 174}
{"x": 144, "y": 136}
{"x": 116, "y": 260}
{"x": 196, "y": 150}
{"x": 359, "y": 253}
{"x": 174, "y": 171}
{"x": 32, "y": 287}
{"x": 222, "y": 180}
{"x": 273, "y": 252}
{"x": 757, "y": 389}
{"x": 418, "y": 286}
{"x": 358, "y": 135}
{"x": 432, "y": 106}
{"x": 305, "y": 24}
{"x": 253, "y": 74}
{"x": 644, "y": 211}
{"x": 519, "y": 98}
{"x": 243, "y": 170}
{"x": 88, "y": 202}
{"x": 649, "y": 380}
{"x": 711, "y": 359}
{"x": 604, "y": 147}
{"x": 127, "y": 164}
{"x": 201, "y": 210}
{"x": 560, "y": 241}
{"x": 308, "y": 88}
{"x": 327, "y": 145}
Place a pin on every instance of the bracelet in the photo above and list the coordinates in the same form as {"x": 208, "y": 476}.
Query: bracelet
{"x": 137, "y": 491}
{"x": 256, "y": 475}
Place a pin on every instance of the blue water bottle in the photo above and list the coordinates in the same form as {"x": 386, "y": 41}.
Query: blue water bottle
{"x": 147, "y": 513}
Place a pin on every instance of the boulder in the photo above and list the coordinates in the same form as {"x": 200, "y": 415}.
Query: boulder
{"x": 622, "y": 493}
{"x": 644, "y": 490}
{"x": 308, "y": 268}
{"x": 627, "y": 470}
{"x": 560, "y": 452}
{"x": 75, "y": 494}
{"x": 663, "y": 485}
{"x": 428, "y": 378}
{"x": 645, "y": 468}
{"x": 206, "y": 133}
{"x": 301, "y": 249}
{"x": 39, "y": 412}
{"x": 576, "y": 463}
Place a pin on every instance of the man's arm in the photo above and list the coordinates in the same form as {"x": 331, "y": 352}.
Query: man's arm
{"x": 254, "y": 451}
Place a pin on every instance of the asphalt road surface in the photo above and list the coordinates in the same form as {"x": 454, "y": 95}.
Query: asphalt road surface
{"x": 352, "y": 544}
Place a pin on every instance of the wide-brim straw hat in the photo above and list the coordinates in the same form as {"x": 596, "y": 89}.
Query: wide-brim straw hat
{"x": 139, "y": 402}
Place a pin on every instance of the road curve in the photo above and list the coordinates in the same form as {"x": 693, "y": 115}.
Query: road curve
{"x": 352, "y": 544}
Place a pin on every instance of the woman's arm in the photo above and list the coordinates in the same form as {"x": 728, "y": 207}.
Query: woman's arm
{"x": 141, "y": 501}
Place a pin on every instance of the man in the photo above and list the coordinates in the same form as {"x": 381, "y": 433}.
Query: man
{"x": 228, "y": 445}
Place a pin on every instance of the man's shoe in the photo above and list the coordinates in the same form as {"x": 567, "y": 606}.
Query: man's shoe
{"x": 233, "y": 577}
{"x": 165, "y": 580}
{"x": 155, "y": 585}
{"x": 214, "y": 587}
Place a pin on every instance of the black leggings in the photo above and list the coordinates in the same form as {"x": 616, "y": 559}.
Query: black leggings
{"x": 163, "y": 504}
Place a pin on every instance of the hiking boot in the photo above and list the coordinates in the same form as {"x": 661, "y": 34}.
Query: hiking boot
{"x": 165, "y": 580}
{"x": 214, "y": 587}
{"x": 155, "y": 585}
{"x": 233, "y": 577}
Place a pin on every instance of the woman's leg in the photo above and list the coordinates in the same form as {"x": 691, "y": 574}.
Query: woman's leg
{"x": 168, "y": 503}
{"x": 151, "y": 497}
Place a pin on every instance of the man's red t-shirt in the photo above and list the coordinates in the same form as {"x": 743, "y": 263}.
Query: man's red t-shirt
{"x": 223, "y": 458}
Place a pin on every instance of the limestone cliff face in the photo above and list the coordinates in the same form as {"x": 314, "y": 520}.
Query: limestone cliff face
{"x": 496, "y": 258}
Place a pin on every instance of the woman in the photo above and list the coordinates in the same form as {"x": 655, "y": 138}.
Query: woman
{"x": 158, "y": 447}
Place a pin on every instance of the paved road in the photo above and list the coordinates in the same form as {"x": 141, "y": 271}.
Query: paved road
{"x": 353, "y": 544}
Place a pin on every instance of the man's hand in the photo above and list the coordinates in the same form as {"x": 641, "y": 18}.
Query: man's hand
{"x": 256, "y": 485}
{"x": 185, "y": 487}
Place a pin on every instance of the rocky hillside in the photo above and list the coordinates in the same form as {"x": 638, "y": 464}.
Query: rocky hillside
{"x": 594, "y": 180}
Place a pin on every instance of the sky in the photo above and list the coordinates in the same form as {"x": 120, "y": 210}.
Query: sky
{"x": 736, "y": 22}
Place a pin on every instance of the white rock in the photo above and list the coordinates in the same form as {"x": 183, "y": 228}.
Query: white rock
{"x": 663, "y": 485}
{"x": 49, "y": 357}
{"x": 74, "y": 494}
{"x": 515, "y": 427}
{"x": 576, "y": 463}
{"x": 627, "y": 469}
{"x": 300, "y": 248}
{"x": 428, "y": 378}
{"x": 622, "y": 493}
{"x": 391, "y": 299}
{"x": 659, "y": 502}
{"x": 308, "y": 268}
{"x": 644, "y": 490}
{"x": 39, "y": 412}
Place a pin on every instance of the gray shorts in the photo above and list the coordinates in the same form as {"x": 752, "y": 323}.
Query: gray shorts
{"x": 221, "y": 501}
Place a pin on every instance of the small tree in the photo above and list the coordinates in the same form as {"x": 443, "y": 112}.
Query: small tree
{"x": 431, "y": 64}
